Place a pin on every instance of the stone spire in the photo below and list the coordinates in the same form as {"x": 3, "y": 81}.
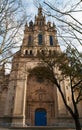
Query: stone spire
{"x": 40, "y": 11}
{"x": 40, "y": 19}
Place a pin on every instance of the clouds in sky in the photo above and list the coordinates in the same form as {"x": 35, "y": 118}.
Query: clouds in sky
{"x": 29, "y": 7}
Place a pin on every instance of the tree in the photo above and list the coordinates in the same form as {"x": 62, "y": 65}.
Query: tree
{"x": 71, "y": 68}
{"x": 12, "y": 17}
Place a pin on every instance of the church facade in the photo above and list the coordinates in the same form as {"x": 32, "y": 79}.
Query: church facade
{"x": 26, "y": 99}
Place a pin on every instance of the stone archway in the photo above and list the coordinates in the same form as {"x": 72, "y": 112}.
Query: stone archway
{"x": 40, "y": 117}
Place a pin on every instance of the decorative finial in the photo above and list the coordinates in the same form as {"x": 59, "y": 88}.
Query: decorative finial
{"x": 54, "y": 25}
{"x": 26, "y": 24}
{"x": 40, "y": 5}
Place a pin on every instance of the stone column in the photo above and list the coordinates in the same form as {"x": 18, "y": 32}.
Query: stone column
{"x": 19, "y": 103}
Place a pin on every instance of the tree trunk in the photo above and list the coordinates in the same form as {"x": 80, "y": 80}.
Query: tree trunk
{"x": 77, "y": 124}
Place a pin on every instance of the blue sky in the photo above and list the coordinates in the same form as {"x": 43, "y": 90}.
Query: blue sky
{"x": 29, "y": 7}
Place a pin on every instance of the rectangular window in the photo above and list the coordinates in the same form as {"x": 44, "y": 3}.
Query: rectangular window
{"x": 51, "y": 41}
{"x": 29, "y": 40}
{"x": 40, "y": 39}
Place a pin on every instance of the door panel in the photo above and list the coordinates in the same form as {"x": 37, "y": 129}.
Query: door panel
{"x": 40, "y": 117}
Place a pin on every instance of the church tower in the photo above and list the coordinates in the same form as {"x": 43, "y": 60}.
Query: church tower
{"x": 30, "y": 100}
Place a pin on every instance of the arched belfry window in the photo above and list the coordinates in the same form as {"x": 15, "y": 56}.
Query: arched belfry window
{"x": 42, "y": 52}
{"x": 30, "y": 52}
{"x": 51, "y": 40}
{"x": 29, "y": 40}
{"x": 40, "y": 39}
{"x": 49, "y": 52}
{"x": 26, "y": 52}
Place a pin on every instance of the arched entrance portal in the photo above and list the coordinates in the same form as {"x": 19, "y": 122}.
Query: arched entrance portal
{"x": 40, "y": 117}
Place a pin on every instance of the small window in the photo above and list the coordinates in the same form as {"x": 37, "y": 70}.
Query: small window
{"x": 26, "y": 52}
{"x": 42, "y": 52}
{"x": 30, "y": 52}
{"x": 40, "y": 39}
{"x": 51, "y": 41}
{"x": 49, "y": 52}
{"x": 29, "y": 40}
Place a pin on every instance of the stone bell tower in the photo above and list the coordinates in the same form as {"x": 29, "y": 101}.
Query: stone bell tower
{"x": 33, "y": 101}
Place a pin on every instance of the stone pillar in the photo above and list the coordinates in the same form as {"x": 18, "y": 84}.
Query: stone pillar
{"x": 19, "y": 103}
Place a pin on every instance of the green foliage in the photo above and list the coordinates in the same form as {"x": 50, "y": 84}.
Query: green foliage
{"x": 41, "y": 72}
{"x": 71, "y": 64}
